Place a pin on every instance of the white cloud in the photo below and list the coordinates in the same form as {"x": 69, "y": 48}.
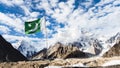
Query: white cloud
{"x": 61, "y": 13}
{"x": 100, "y": 24}
{"x": 14, "y": 23}
{"x": 34, "y": 14}
{"x": 4, "y": 29}
{"x": 117, "y": 2}
{"x": 26, "y": 9}
{"x": 25, "y": 5}
{"x": 53, "y": 3}
{"x": 103, "y": 2}
{"x": 12, "y": 2}
{"x": 17, "y": 2}
{"x": 88, "y": 3}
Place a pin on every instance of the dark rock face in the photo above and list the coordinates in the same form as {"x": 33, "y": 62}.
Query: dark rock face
{"x": 114, "y": 51}
{"x": 61, "y": 51}
{"x": 8, "y": 53}
{"x": 40, "y": 55}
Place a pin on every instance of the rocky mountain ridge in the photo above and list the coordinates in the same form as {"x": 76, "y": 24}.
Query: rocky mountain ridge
{"x": 9, "y": 53}
{"x": 86, "y": 44}
{"x": 63, "y": 51}
{"x": 114, "y": 51}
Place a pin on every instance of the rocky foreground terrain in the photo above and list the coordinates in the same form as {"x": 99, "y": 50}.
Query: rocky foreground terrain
{"x": 58, "y": 56}
{"x": 72, "y": 62}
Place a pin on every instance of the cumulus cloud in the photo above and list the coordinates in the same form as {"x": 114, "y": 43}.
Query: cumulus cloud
{"x": 4, "y": 29}
{"x": 103, "y": 22}
{"x": 12, "y": 2}
{"x": 15, "y": 23}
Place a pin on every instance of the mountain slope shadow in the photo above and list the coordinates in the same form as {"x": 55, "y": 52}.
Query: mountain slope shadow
{"x": 8, "y": 53}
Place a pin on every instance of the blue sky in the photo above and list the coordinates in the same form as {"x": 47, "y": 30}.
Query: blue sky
{"x": 67, "y": 21}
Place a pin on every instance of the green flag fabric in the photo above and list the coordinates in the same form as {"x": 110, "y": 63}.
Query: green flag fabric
{"x": 32, "y": 26}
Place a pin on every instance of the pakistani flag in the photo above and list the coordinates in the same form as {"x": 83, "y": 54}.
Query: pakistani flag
{"x": 32, "y": 26}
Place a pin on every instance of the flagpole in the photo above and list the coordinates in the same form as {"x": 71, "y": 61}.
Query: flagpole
{"x": 46, "y": 33}
{"x": 46, "y": 37}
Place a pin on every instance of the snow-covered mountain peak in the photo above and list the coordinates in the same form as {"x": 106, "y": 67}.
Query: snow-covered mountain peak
{"x": 26, "y": 49}
{"x": 115, "y": 38}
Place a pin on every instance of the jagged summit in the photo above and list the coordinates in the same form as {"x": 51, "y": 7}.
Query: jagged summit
{"x": 61, "y": 51}
{"x": 114, "y": 39}
{"x": 8, "y": 53}
{"x": 114, "y": 51}
{"x": 26, "y": 49}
